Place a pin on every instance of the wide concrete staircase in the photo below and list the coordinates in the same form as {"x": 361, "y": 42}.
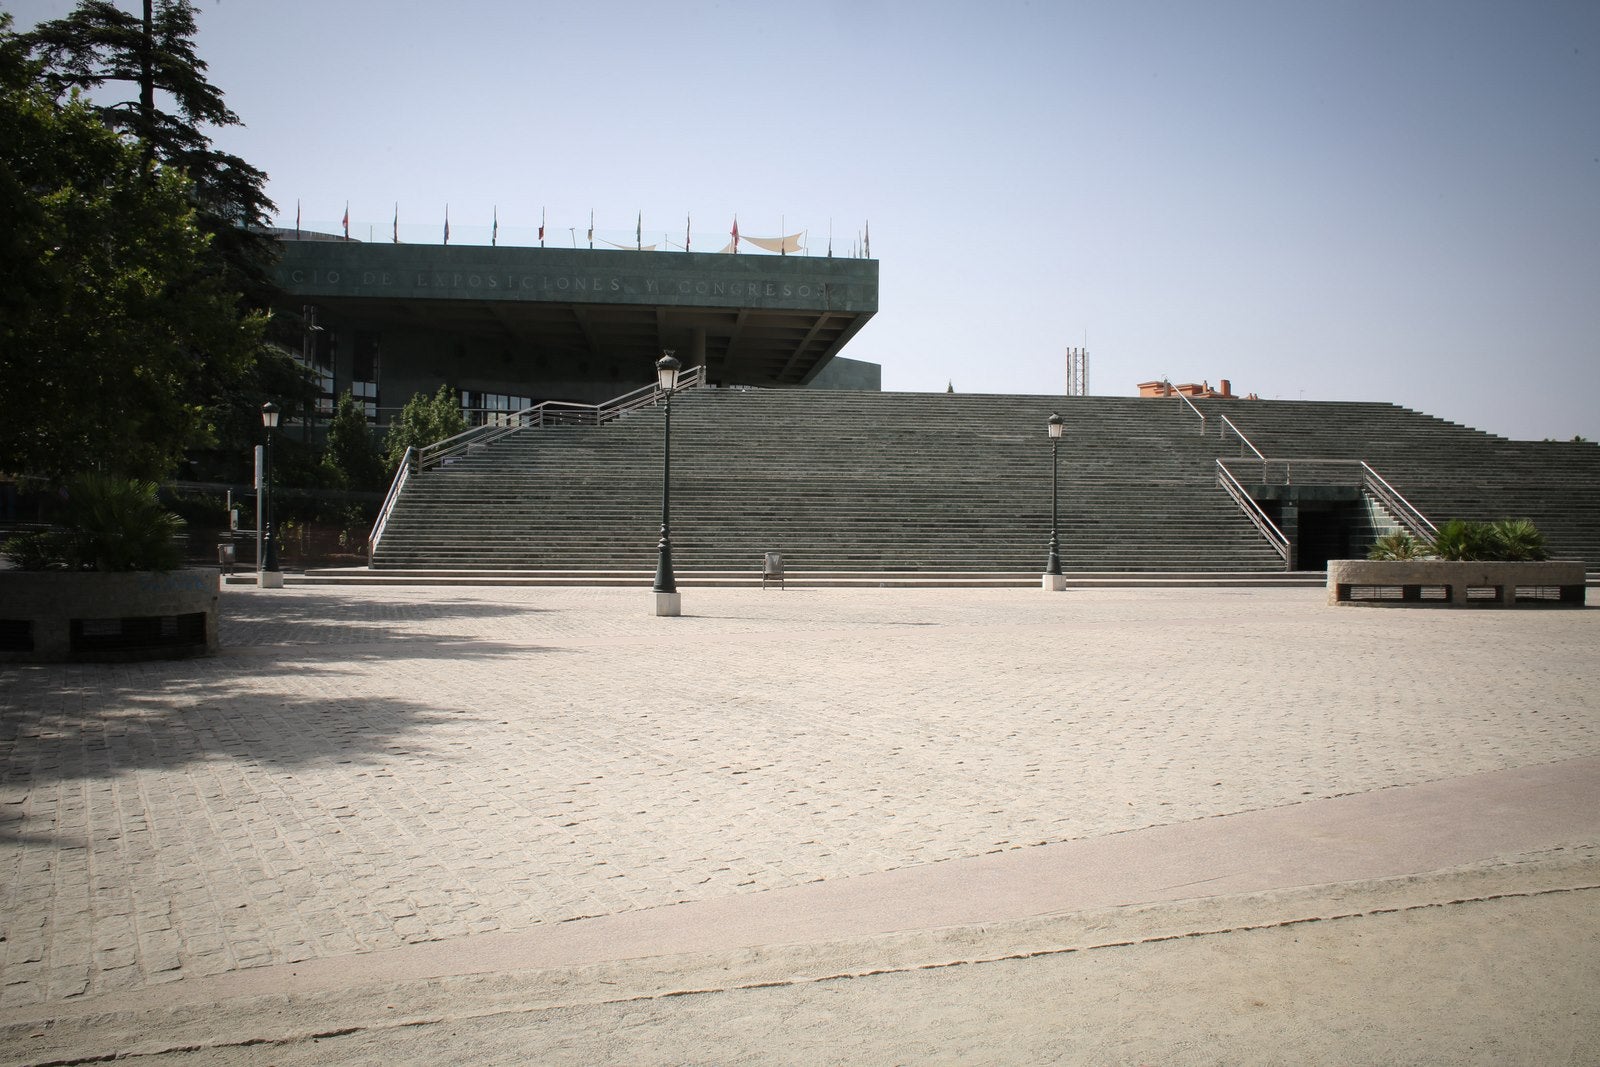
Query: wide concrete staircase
{"x": 946, "y": 484}
{"x": 1446, "y": 470}
{"x": 836, "y": 482}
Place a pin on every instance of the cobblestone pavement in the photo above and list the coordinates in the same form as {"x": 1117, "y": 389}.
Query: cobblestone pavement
{"x": 361, "y": 769}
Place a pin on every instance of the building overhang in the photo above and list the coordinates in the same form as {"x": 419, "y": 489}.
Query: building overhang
{"x": 759, "y": 320}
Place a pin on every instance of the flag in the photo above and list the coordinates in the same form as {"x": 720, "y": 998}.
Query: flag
{"x": 447, "y": 224}
{"x": 736, "y": 235}
{"x": 686, "y": 228}
{"x": 397, "y": 222}
{"x": 783, "y": 224}
{"x": 638, "y": 233}
{"x": 541, "y": 227}
{"x": 591, "y": 227}
{"x": 494, "y": 228}
{"x": 869, "y": 241}
{"x": 297, "y": 220}
{"x": 347, "y": 220}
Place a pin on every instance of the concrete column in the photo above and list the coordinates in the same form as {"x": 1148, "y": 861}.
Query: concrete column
{"x": 1289, "y": 523}
{"x": 697, "y": 347}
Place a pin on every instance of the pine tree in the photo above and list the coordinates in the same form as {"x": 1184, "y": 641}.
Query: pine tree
{"x": 151, "y": 57}
{"x": 98, "y": 47}
{"x": 108, "y": 308}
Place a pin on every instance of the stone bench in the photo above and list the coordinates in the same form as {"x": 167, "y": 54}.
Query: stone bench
{"x": 1452, "y": 583}
{"x": 54, "y": 616}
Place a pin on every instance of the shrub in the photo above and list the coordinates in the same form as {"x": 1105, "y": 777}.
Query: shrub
{"x": 111, "y": 524}
{"x": 1509, "y": 540}
{"x": 1519, "y": 539}
{"x": 1399, "y": 545}
{"x": 1460, "y": 539}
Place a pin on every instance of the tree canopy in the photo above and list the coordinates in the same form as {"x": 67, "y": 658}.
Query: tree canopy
{"x": 98, "y": 47}
{"x": 108, "y": 308}
{"x": 353, "y": 458}
{"x": 135, "y": 269}
{"x": 423, "y": 421}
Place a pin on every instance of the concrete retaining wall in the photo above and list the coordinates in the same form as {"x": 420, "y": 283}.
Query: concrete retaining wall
{"x": 56, "y": 615}
{"x": 1446, "y": 583}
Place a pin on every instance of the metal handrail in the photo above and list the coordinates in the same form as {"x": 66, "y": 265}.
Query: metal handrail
{"x": 1284, "y": 470}
{"x": 1402, "y": 508}
{"x": 1227, "y": 423}
{"x": 549, "y": 413}
{"x": 401, "y": 476}
{"x": 546, "y": 413}
{"x": 1186, "y": 400}
{"x": 1361, "y": 475}
{"x": 1263, "y": 522}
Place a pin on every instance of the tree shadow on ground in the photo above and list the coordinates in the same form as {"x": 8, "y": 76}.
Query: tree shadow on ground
{"x": 254, "y": 703}
{"x": 304, "y": 619}
{"x": 254, "y": 730}
{"x": 356, "y": 627}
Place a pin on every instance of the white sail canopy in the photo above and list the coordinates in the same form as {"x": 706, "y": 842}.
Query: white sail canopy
{"x": 790, "y": 243}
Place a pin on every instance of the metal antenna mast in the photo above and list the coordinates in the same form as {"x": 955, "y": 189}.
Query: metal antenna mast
{"x": 1077, "y": 372}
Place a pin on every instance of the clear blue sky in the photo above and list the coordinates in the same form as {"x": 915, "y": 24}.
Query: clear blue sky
{"x": 1372, "y": 200}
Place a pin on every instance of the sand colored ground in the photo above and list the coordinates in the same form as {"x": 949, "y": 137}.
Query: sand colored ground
{"x": 863, "y": 826}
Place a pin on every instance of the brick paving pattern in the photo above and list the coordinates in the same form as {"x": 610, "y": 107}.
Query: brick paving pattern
{"x": 364, "y": 769}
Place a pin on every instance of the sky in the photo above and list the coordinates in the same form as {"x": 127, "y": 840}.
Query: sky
{"x": 1391, "y": 200}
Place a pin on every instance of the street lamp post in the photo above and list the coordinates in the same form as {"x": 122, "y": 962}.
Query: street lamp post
{"x": 1054, "y": 581}
{"x": 668, "y": 601}
{"x": 270, "y": 577}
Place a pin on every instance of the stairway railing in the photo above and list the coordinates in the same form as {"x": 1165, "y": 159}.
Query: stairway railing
{"x": 1244, "y": 442}
{"x": 401, "y": 476}
{"x": 549, "y": 413}
{"x": 1186, "y": 400}
{"x": 1402, "y": 509}
{"x": 546, "y": 413}
{"x": 1311, "y": 470}
{"x": 1247, "y": 503}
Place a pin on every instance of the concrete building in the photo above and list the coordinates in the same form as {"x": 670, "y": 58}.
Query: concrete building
{"x": 508, "y": 327}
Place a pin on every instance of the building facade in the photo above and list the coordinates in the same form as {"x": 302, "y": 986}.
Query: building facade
{"x": 509, "y": 327}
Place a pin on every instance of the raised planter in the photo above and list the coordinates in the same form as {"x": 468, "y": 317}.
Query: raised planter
{"x": 52, "y": 616}
{"x": 1456, "y": 584}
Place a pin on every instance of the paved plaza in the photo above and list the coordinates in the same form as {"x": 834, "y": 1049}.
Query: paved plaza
{"x": 383, "y": 785}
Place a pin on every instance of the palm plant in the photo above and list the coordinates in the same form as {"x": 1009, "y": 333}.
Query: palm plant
{"x": 111, "y": 524}
{"x": 1509, "y": 540}
{"x": 1519, "y": 539}
{"x": 1399, "y": 545}
{"x": 1459, "y": 539}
